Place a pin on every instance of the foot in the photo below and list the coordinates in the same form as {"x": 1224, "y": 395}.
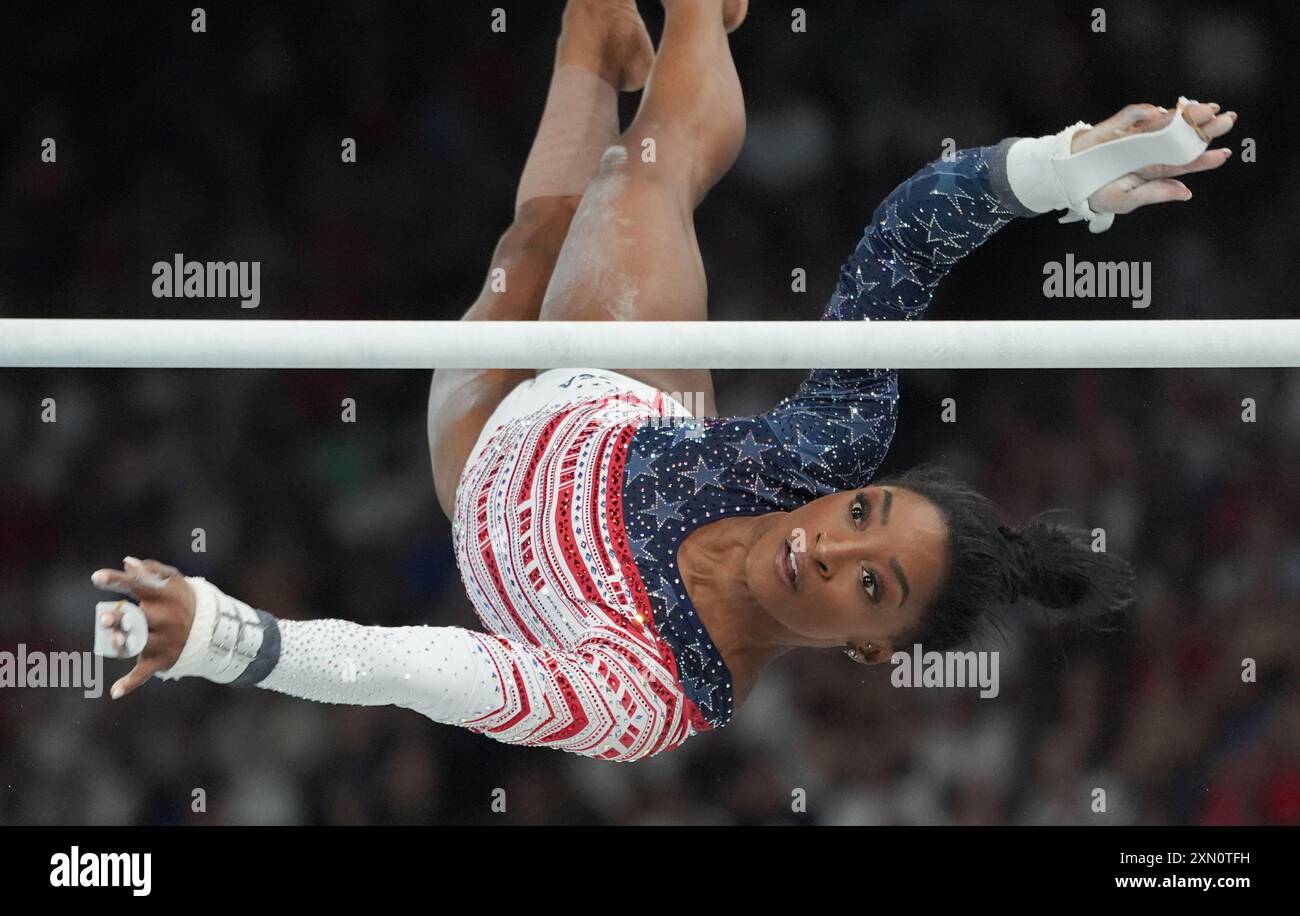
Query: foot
{"x": 609, "y": 38}
{"x": 733, "y": 13}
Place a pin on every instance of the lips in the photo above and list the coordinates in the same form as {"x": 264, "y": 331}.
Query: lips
{"x": 785, "y": 565}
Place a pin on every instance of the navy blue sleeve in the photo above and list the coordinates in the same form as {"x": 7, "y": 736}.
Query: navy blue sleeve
{"x": 834, "y": 431}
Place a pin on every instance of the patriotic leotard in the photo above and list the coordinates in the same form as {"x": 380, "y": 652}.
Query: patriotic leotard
{"x": 568, "y": 517}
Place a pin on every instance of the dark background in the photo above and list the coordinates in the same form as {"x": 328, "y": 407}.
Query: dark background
{"x": 225, "y": 145}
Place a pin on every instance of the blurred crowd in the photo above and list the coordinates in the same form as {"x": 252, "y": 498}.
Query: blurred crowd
{"x": 225, "y": 145}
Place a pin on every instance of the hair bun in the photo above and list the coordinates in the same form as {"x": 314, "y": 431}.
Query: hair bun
{"x": 1055, "y": 566}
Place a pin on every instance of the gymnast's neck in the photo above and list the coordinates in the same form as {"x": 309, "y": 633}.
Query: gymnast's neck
{"x": 711, "y": 560}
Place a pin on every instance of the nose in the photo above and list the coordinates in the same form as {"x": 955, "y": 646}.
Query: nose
{"x": 826, "y": 554}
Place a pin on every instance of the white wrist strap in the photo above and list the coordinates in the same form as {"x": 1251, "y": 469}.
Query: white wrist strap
{"x": 224, "y": 639}
{"x": 1045, "y": 175}
{"x": 1030, "y": 171}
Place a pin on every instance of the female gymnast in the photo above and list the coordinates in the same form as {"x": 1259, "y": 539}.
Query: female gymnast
{"x": 636, "y": 567}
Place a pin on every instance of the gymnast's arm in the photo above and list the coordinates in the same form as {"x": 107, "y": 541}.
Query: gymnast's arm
{"x": 837, "y": 427}
{"x": 949, "y": 208}
{"x": 834, "y": 431}
{"x": 602, "y": 700}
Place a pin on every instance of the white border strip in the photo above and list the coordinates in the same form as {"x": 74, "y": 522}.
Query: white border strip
{"x": 265, "y": 344}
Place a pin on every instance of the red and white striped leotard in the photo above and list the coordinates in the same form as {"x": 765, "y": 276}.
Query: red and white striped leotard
{"x": 545, "y": 560}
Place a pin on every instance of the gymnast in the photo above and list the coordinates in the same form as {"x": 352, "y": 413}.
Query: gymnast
{"x": 635, "y": 567}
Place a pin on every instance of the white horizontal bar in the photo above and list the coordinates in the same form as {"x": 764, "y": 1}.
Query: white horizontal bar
{"x": 264, "y": 344}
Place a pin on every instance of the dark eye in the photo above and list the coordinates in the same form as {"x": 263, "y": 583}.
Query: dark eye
{"x": 857, "y": 511}
{"x": 870, "y": 583}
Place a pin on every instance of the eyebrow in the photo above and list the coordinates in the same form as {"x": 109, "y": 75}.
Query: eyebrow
{"x": 902, "y": 579}
{"x": 886, "y": 506}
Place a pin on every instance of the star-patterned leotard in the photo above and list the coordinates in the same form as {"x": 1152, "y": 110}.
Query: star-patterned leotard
{"x": 568, "y": 519}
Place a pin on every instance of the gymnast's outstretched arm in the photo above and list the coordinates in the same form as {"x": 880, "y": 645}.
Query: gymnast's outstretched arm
{"x": 837, "y": 427}
{"x": 610, "y": 698}
{"x": 949, "y": 208}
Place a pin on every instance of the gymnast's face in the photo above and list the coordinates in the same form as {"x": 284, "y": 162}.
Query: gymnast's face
{"x": 851, "y": 569}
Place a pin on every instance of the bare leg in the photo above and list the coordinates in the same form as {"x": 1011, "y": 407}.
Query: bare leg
{"x": 607, "y": 38}
{"x": 631, "y": 252}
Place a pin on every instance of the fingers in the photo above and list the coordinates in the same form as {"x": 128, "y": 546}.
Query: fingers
{"x": 121, "y": 629}
{"x": 1130, "y": 119}
{"x": 1138, "y": 118}
{"x": 1141, "y": 118}
{"x": 1208, "y": 119}
{"x": 1212, "y": 123}
{"x": 112, "y": 618}
{"x": 1219, "y": 125}
{"x": 111, "y": 580}
{"x": 1125, "y": 121}
{"x": 1210, "y": 159}
{"x": 116, "y": 621}
{"x": 138, "y": 580}
{"x": 143, "y": 670}
{"x": 145, "y": 581}
{"x": 1132, "y": 115}
{"x": 1144, "y": 117}
{"x": 1199, "y": 113}
{"x": 161, "y": 570}
{"x": 1155, "y": 192}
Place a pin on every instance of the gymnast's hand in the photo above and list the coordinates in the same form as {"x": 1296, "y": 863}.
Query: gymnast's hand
{"x": 1155, "y": 184}
{"x": 167, "y": 601}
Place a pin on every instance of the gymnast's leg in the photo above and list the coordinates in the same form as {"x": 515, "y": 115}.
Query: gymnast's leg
{"x": 603, "y": 47}
{"x": 631, "y": 253}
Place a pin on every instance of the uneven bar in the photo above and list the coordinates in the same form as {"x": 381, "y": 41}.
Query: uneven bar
{"x": 271, "y": 344}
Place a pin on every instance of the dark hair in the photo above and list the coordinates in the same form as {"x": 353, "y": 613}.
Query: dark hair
{"x": 1046, "y": 560}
